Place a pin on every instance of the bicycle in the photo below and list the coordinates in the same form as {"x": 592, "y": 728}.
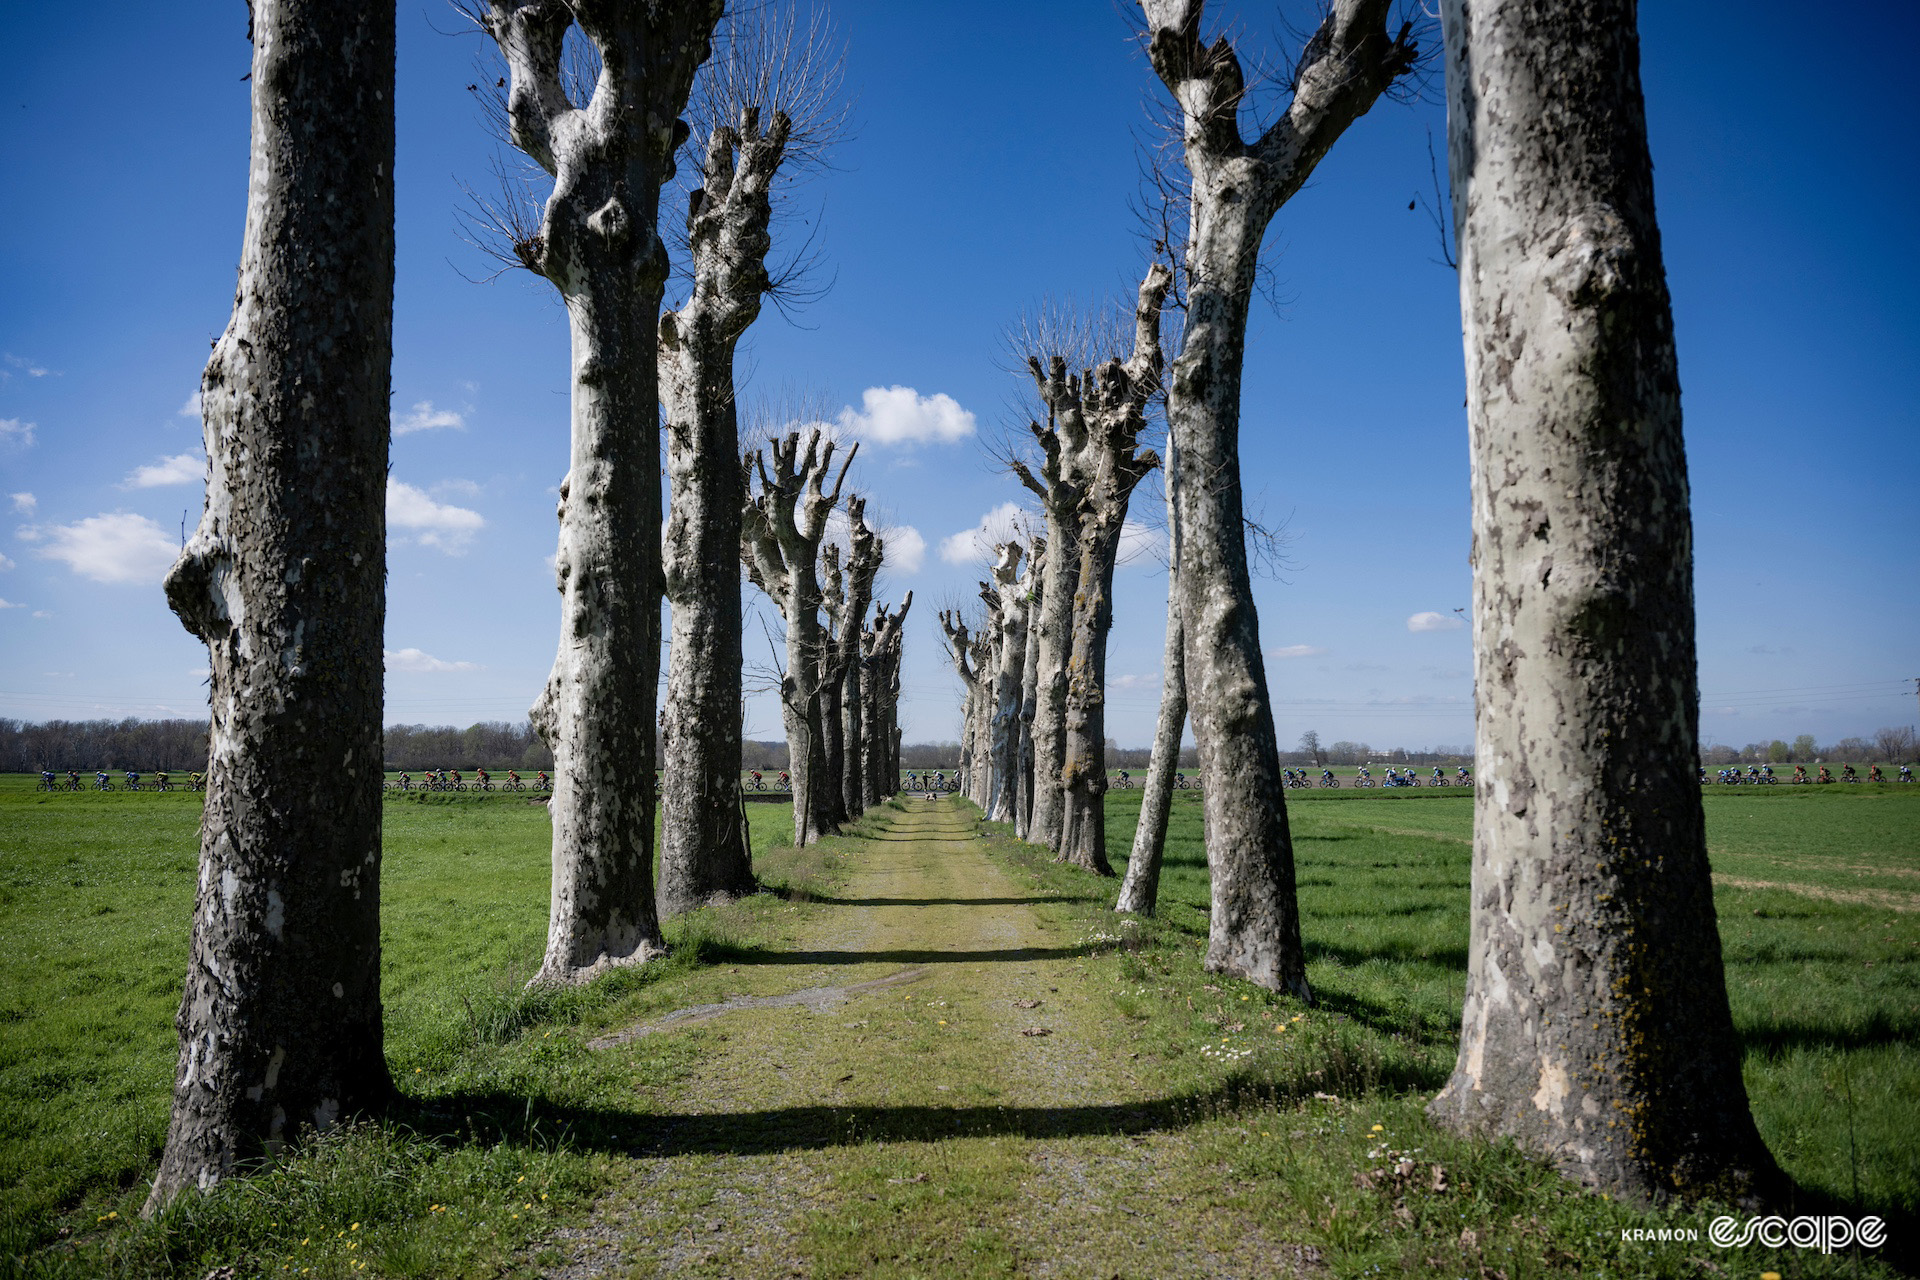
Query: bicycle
{"x": 103, "y": 783}
{"x": 47, "y": 783}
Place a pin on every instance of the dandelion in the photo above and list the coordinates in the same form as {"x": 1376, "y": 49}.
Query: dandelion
{"x": 416, "y": 1071}
{"x": 1379, "y": 1128}
{"x": 354, "y": 1227}
{"x": 1246, "y": 997}
{"x": 543, "y": 1195}
{"x": 1769, "y": 1275}
{"x": 521, "y": 1178}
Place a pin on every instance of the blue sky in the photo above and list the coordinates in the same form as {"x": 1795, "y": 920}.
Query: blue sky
{"x": 993, "y": 167}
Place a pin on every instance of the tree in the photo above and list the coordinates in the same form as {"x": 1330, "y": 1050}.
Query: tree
{"x": 285, "y": 580}
{"x": 1140, "y": 890}
{"x": 703, "y": 845}
{"x": 1310, "y": 744}
{"x": 839, "y": 681}
{"x": 1804, "y": 748}
{"x": 1236, "y": 188}
{"x": 1596, "y": 1028}
{"x": 1029, "y": 687}
{"x": 1112, "y": 407}
{"x": 1009, "y": 594}
{"x": 880, "y": 687}
{"x": 781, "y": 528}
{"x": 598, "y": 243}
{"x": 1895, "y": 745}
{"x": 959, "y": 636}
{"x": 1778, "y": 752}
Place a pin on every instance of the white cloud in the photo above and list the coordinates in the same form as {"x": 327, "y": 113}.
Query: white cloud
{"x": 5, "y": 564}
{"x": 41, "y": 613}
{"x": 1434, "y": 622}
{"x": 1133, "y": 681}
{"x": 906, "y": 549}
{"x": 120, "y": 547}
{"x": 1138, "y": 542}
{"x": 465, "y": 488}
{"x": 416, "y": 660}
{"x": 1005, "y": 523}
{"x": 901, "y": 415}
{"x": 25, "y": 503}
{"x": 191, "y": 409}
{"x": 427, "y": 418}
{"x": 1296, "y": 651}
{"x": 10, "y": 604}
{"x": 26, "y": 366}
{"x": 15, "y": 434}
{"x": 446, "y": 527}
{"x": 181, "y": 468}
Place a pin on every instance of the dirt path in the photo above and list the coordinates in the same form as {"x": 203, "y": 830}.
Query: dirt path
{"x": 922, "y": 1083}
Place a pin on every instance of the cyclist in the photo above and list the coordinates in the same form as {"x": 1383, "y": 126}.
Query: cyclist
{"x": 1466, "y": 777}
{"x": 1847, "y": 774}
{"x": 1824, "y": 775}
{"x": 1799, "y": 773}
{"x": 1364, "y": 777}
{"x": 1126, "y": 780}
{"x": 786, "y": 781}
{"x": 456, "y": 778}
{"x": 406, "y": 780}
{"x": 548, "y": 786}
{"x": 46, "y": 779}
{"x": 481, "y": 780}
{"x": 1439, "y": 776}
{"x": 133, "y": 779}
{"x": 1766, "y": 771}
{"x": 913, "y": 780}
{"x": 73, "y": 779}
{"x": 1906, "y": 773}
{"x": 1326, "y": 777}
{"x": 195, "y": 782}
{"x": 758, "y": 784}
{"x": 513, "y": 780}
{"x": 160, "y": 781}
{"x": 939, "y": 780}
{"x": 1873, "y": 773}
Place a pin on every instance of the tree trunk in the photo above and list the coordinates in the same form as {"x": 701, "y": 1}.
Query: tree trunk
{"x": 979, "y": 788}
{"x": 1029, "y": 690}
{"x": 703, "y": 850}
{"x": 1083, "y": 770}
{"x": 780, "y": 543}
{"x": 280, "y": 1021}
{"x": 1140, "y": 889}
{"x": 1236, "y": 187}
{"x": 852, "y": 734}
{"x": 1010, "y": 662}
{"x": 1596, "y": 1029}
{"x": 599, "y": 244}
{"x": 1053, "y": 634}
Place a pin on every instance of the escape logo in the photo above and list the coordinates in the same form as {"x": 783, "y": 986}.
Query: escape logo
{"x": 1807, "y": 1232}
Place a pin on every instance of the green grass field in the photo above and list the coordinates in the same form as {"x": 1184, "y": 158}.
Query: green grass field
{"x": 1818, "y": 891}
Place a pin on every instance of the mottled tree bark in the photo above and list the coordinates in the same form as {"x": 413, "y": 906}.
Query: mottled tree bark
{"x": 979, "y": 783}
{"x": 1596, "y": 1028}
{"x": 1140, "y": 887}
{"x": 1114, "y": 408}
{"x": 280, "y": 1021}
{"x": 781, "y": 530}
{"x": 703, "y": 842}
{"x": 848, "y": 600}
{"x": 1237, "y": 186}
{"x": 960, "y": 649}
{"x": 880, "y": 685}
{"x": 1010, "y": 662}
{"x": 833, "y": 599}
{"x": 599, "y": 245}
{"x": 1029, "y": 688}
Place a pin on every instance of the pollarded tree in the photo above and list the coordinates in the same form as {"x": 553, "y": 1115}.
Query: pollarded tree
{"x": 1237, "y": 186}
{"x": 880, "y": 689}
{"x": 960, "y": 648}
{"x": 1029, "y": 686}
{"x": 846, "y": 596}
{"x": 1114, "y": 399}
{"x": 1596, "y": 1028}
{"x": 280, "y": 1022}
{"x": 598, "y": 243}
{"x": 1140, "y": 889}
{"x": 1009, "y": 610}
{"x": 781, "y": 527}
{"x": 703, "y": 850}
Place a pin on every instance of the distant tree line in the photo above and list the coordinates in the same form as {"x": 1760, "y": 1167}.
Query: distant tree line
{"x": 1890, "y": 745}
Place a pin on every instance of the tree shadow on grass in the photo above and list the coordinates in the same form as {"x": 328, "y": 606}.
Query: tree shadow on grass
{"x": 932, "y": 902}
{"x": 1876, "y": 1032}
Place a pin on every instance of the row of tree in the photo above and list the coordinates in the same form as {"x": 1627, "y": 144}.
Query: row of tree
{"x": 280, "y": 1021}
{"x": 1596, "y": 1028}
